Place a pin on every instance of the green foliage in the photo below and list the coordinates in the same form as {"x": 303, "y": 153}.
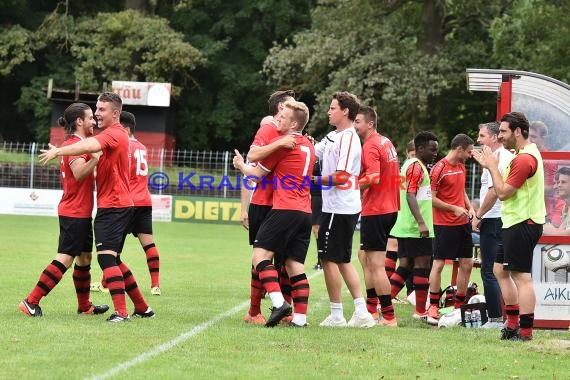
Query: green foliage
{"x": 123, "y": 45}
{"x": 36, "y": 108}
{"x": 534, "y": 36}
{"x": 15, "y": 48}
{"x": 378, "y": 60}
{"x": 91, "y": 50}
{"x": 230, "y": 95}
{"x": 407, "y": 58}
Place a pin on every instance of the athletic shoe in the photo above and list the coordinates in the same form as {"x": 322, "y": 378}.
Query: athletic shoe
{"x": 509, "y": 334}
{"x": 294, "y": 325}
{"x": 363, "y": 321}
{"x": 145, "y": 314}
{"x": 420, "y": 317}
{"x": 155, "y": 291}
{"x": 94, "y": 309}
{"x": 433, "y": 315}
{"x": 30, "y": 309}
{"x": 493, "y": 325}
{"x": 520, "y": 338}
{"x": 286, "y": 320}
{"x": 98, "y": 287}
{"x": 330, "y": 322}
{"x": 258, "y": 319}
{"x": 116, "y": 318}
{"x": 278, "y": 313}
{"x": 388, "y": 322}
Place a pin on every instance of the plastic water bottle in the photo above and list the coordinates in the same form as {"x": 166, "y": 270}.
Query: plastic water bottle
{"x": 476, "y": 318}
{"x": 468, "y": 319}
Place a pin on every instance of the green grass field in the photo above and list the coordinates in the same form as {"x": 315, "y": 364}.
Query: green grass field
{"x": 199, "y": 333}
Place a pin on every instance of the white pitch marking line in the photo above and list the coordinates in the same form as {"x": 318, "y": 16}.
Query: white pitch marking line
{"x": 176, "y": 341}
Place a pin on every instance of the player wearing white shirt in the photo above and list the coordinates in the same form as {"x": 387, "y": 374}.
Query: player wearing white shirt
{"x": 340, "y": 154}
{"x": 488, "y": 221}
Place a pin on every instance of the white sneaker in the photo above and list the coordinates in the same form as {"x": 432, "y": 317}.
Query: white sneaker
{"x": 364, "y": 321}
{"x": 493, "y": 325}
{"x": 330, "y": 322}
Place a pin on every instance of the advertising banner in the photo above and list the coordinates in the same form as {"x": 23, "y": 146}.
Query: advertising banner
{"x": 551, "y": 272}
{"x": 19, "y": 201}
{"x": 206, "y": 210}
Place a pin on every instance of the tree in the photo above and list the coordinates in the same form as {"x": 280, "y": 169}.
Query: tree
{"x": 230, "y": 93}
{"x": 534, "y": 36}
{"x": 91, "y": 50}
{"x": 400, "y": 56}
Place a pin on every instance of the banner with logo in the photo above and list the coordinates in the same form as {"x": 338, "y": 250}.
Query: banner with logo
{"x": 206, "y": 210}
{"x": 551, "y": 275}
{"x": 40, "y": 202}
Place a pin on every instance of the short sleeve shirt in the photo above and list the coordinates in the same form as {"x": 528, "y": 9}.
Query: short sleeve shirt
{"x": 139, "y": 175}
{"x": 292, "y": 172}
{"x": 449, "y": 182}
{"x": 77, "y": 199}
{"x": 113, "y": 170}
{"x": 263, "y": 194}
{"x": 379, "y": 158}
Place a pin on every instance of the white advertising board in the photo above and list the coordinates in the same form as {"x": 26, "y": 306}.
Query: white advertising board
{"x": 552, "y": 288}
{"x": 19, "y": 201}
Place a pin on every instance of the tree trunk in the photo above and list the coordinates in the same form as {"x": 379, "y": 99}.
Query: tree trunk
{"x": 146, "y": 6}
{"x": 432, "y": 16}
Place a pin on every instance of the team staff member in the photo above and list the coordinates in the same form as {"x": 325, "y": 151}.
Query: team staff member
{"x": 521, "y": 189}
{"x": 488, "y": 221}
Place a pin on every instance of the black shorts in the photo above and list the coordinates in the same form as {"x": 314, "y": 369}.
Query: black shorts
{"x": 415, "y": 247}
{"x": 375, "y": 230}
{"x": 111, "y": 227}
{"x": 142, "y": 221}
{"x": 75, "y": 236}
{"x": 317, "y": 209}
{"x": 285, "y": 231}
{"x": 256, "y": 215}
{"x": 452, "y": 242}
{"x": 335, "y": 237}
{"x": 519, "y": 241}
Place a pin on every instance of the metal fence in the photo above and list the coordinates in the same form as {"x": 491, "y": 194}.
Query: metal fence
{"x": 188, "y": 172}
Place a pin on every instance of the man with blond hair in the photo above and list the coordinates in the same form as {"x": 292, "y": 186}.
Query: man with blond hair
{"x": 286, "y": 231}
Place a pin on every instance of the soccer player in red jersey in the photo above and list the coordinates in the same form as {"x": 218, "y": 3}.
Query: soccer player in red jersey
{"x": 142, "y": 220}
{"x": 114, "y": 203}
{"x": 256, "y": 206}
{"x": 452, "y": 213}
{"x": 380, "y": 185}
{"x": 74, "y": 210}
{"x": 287, "y": 227}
